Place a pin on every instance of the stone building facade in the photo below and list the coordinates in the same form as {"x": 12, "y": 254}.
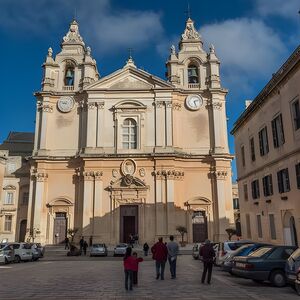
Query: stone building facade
{"x": 267, "y": 143}
{"x": 130, "y": 153}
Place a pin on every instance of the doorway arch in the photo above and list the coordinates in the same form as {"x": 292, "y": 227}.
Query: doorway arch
{"x": 289, "y": 230}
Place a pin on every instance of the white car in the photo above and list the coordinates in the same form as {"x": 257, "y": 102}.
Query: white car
{"x": 6, "y": 254}
{"x": 22, "y": 251}
{"x": 120, "y": 249}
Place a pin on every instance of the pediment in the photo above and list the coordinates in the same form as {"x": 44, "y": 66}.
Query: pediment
{"x": 128, "y": 182}
{"x": 129, "y": 79}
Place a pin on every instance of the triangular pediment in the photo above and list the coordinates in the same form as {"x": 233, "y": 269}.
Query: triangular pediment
{"x": 128, "y": 182}
{"x": 129, "y": 78}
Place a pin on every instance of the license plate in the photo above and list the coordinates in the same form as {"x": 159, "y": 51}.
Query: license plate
{"x": 240, "y": 265}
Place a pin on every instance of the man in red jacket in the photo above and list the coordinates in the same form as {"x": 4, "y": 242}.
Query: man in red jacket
{"x": 160, "y": 255}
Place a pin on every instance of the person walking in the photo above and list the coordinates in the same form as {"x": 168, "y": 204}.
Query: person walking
{"x": 129, "y": 265}
{"x": 85, "y": 246}
{"x": 135, "y": 270}
{"x": 81, "y": 242}
{"x": 207, "y": 253}
{"x": 160, "y": 254}
{"x": 173, "y": 250}
{"x": 67, "y": 243}
{"x": 146, "y": 249}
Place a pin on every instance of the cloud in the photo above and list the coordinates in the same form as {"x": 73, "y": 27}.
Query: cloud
{"x": 108, "y": 28}
{"x": 287, "y": 9}
{"x": 246, "y": 46}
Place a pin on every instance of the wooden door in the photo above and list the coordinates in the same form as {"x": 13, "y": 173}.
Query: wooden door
{"x": 199, "y": 221}
{"x": 128, "y": 222}
{"x": 22, "y": 234}
{"x": 60, "y": 228}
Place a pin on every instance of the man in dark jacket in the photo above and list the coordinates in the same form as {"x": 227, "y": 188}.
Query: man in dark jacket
{"x": 207, "y": 253}
{"x": 160, "y": 254}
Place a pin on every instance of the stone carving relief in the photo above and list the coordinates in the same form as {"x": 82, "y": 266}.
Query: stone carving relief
{"x": 220, "y": 175}
{"x": 142, "y": 172}
{"x": 169, "y": 174}
{"x": 115, "y": 173}
{"x": 128, "y": 167}
{"x": 176, "y": 106}
{"x": 73, "y": 34}
{"x": 190, "y": 33}
{"x": 91, "y": 175}
{"x": 44, "y": 107}
{"x": 41, "y": 176}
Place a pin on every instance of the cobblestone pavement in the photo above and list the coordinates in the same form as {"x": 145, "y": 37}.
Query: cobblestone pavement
{"x": 102, "y": 278}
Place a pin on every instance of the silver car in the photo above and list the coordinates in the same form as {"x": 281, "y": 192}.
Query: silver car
{"x": 6, "y": 254}
{"x": 22, "y": 251}
{"x": 98, "y": 250}
{"x": 120, "y": 249}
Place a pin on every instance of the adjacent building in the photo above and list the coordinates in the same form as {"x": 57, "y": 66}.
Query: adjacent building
{"x": 267, "y": 144}
{"x": 130, "y": 153}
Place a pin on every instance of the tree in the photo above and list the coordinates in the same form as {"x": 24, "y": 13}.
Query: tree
{"x": 182, "y": 230}
{"x": 72, "y": 233}
{"x": 231, "y": 232}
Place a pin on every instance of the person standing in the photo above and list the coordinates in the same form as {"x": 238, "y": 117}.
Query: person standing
{"x": 146, "y": 249}
{"x": 81, "y": 242}
{"x": 207, "y": 253}
{"x": 67, "y": 243}
{"x": 160, "y": 254}
{"x": 135, "y": 270}
{"x": 173, "y": 250}
{"x": 85, "y": 245}
{"x": 129, "y": 265}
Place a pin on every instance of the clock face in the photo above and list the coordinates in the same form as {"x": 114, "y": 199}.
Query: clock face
{"x": 194, "y": 102}
{"x": 65, "y": 104}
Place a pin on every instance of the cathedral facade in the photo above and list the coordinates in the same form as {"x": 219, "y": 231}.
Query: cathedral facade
{"x": 130, "y": 153}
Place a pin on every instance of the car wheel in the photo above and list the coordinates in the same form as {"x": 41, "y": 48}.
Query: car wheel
{"x": 17, "y": 259}
{"x": 278, "y": 279}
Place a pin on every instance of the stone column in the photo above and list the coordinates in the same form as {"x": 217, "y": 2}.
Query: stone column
{"x": 170, "y": 208}
{"x": 100, "y": 124}
{"x": 160, "y": 209}
{"x": 30, "y": 202}
{"x": 40, "y": 215}
{"x": 91, "y": 125}
{"x": 98, "y": 198}
{"x": 159, "y": 124}
{"x": 37, "y": 126}
{"x": 169, "y": 125}
{"x": 88, "y": 198}
{"x": 46, "y": 109}
{"x": 220, "y": 216}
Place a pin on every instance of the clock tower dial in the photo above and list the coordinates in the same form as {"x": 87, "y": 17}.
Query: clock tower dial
{"x": 194, "y": 102}
{"x": 65, "y": 104}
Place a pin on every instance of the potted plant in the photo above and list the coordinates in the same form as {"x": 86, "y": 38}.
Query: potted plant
{"x": 182, "y": 230}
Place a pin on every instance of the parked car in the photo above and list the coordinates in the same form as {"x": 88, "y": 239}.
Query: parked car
{"x": 98, "y": 250}
{"x": 226, "y": 248}
{"x": 6, "y": 254}
{"x": 292, "y": 266}
{"x": 197, "y": 246}
{"x": 265, "y": 264}
{"x": 297, "y": 282}
{"x": 41, "y": 249}
{"x": 120, "y": 249}
{"x": 241, "y": 251}
{"x": 22, "y": 251}
{"x": 36, "y": 253}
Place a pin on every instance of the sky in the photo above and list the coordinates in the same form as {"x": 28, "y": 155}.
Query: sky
{"x": 252, "y": 39}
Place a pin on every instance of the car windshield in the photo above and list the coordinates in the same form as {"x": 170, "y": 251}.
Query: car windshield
{"x": 260, "y": 252}
{"x": 235, "y": 246}
{"x": 296, "y": 254}
{"x": 121, "y": 246}
{"x": 2, "y": 246}
{"x": 98, "y": 245}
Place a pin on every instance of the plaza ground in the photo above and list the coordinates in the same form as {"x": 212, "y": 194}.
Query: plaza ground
{"x": 60, "y": 277}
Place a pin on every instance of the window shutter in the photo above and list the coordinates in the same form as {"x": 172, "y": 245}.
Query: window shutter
{"x": 279, "y": 181}
{"x": 274, "y": 132}
{"x": 265, "y": 186}
{"x": 261, "y": 149}
{"x": 281, "y": 130}
{"x": 287, "y": 180}
{"x": 271, "y": 184}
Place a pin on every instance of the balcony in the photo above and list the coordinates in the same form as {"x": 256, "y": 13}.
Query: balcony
{"x": 68, "y": 88}
{"x": 193, "y": 85}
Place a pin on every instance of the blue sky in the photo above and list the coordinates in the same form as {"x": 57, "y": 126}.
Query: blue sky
{"x": 252, "y": 38}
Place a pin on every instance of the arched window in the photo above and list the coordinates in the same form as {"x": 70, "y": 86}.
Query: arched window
{"x": 69, "y": 74}
{"x": 193, "y": 76}
{"x": 129, "y": 134}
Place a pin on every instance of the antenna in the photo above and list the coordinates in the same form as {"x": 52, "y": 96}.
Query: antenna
{"x": 188, "y": 11}
{"x": 130, "y": 51}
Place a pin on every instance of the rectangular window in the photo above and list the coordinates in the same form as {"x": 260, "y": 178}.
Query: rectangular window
{"x": 236, "y": 203}
{"x": 7, "y": 223}
{"x": 296, "y": 114}
{"x": 297, "y": 167}
{"x": 25, "y": 198}
{"x": 278, "y": 133}
{"x": 245, "y": 192}
{"x": 255, "y": 189}
{"x": 243, "y": 155}
{"x": 252, "y": 149}
{"x": 283, "y": 181}
{"x": 263, "y": 141}
{"x": 267, "y": 185}
{"x": 272, "y": 227}
{"x": 9, "y": 198}
{"x": 248, "y": 228}
{"x": 259, "y": 228}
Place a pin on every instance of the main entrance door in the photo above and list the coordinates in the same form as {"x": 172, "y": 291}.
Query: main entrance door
{"x": 60, "y": 227}
{"x": 199, "y": 221}
{"x": 128, "y": 222}
{"x": 23, "y": 226}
